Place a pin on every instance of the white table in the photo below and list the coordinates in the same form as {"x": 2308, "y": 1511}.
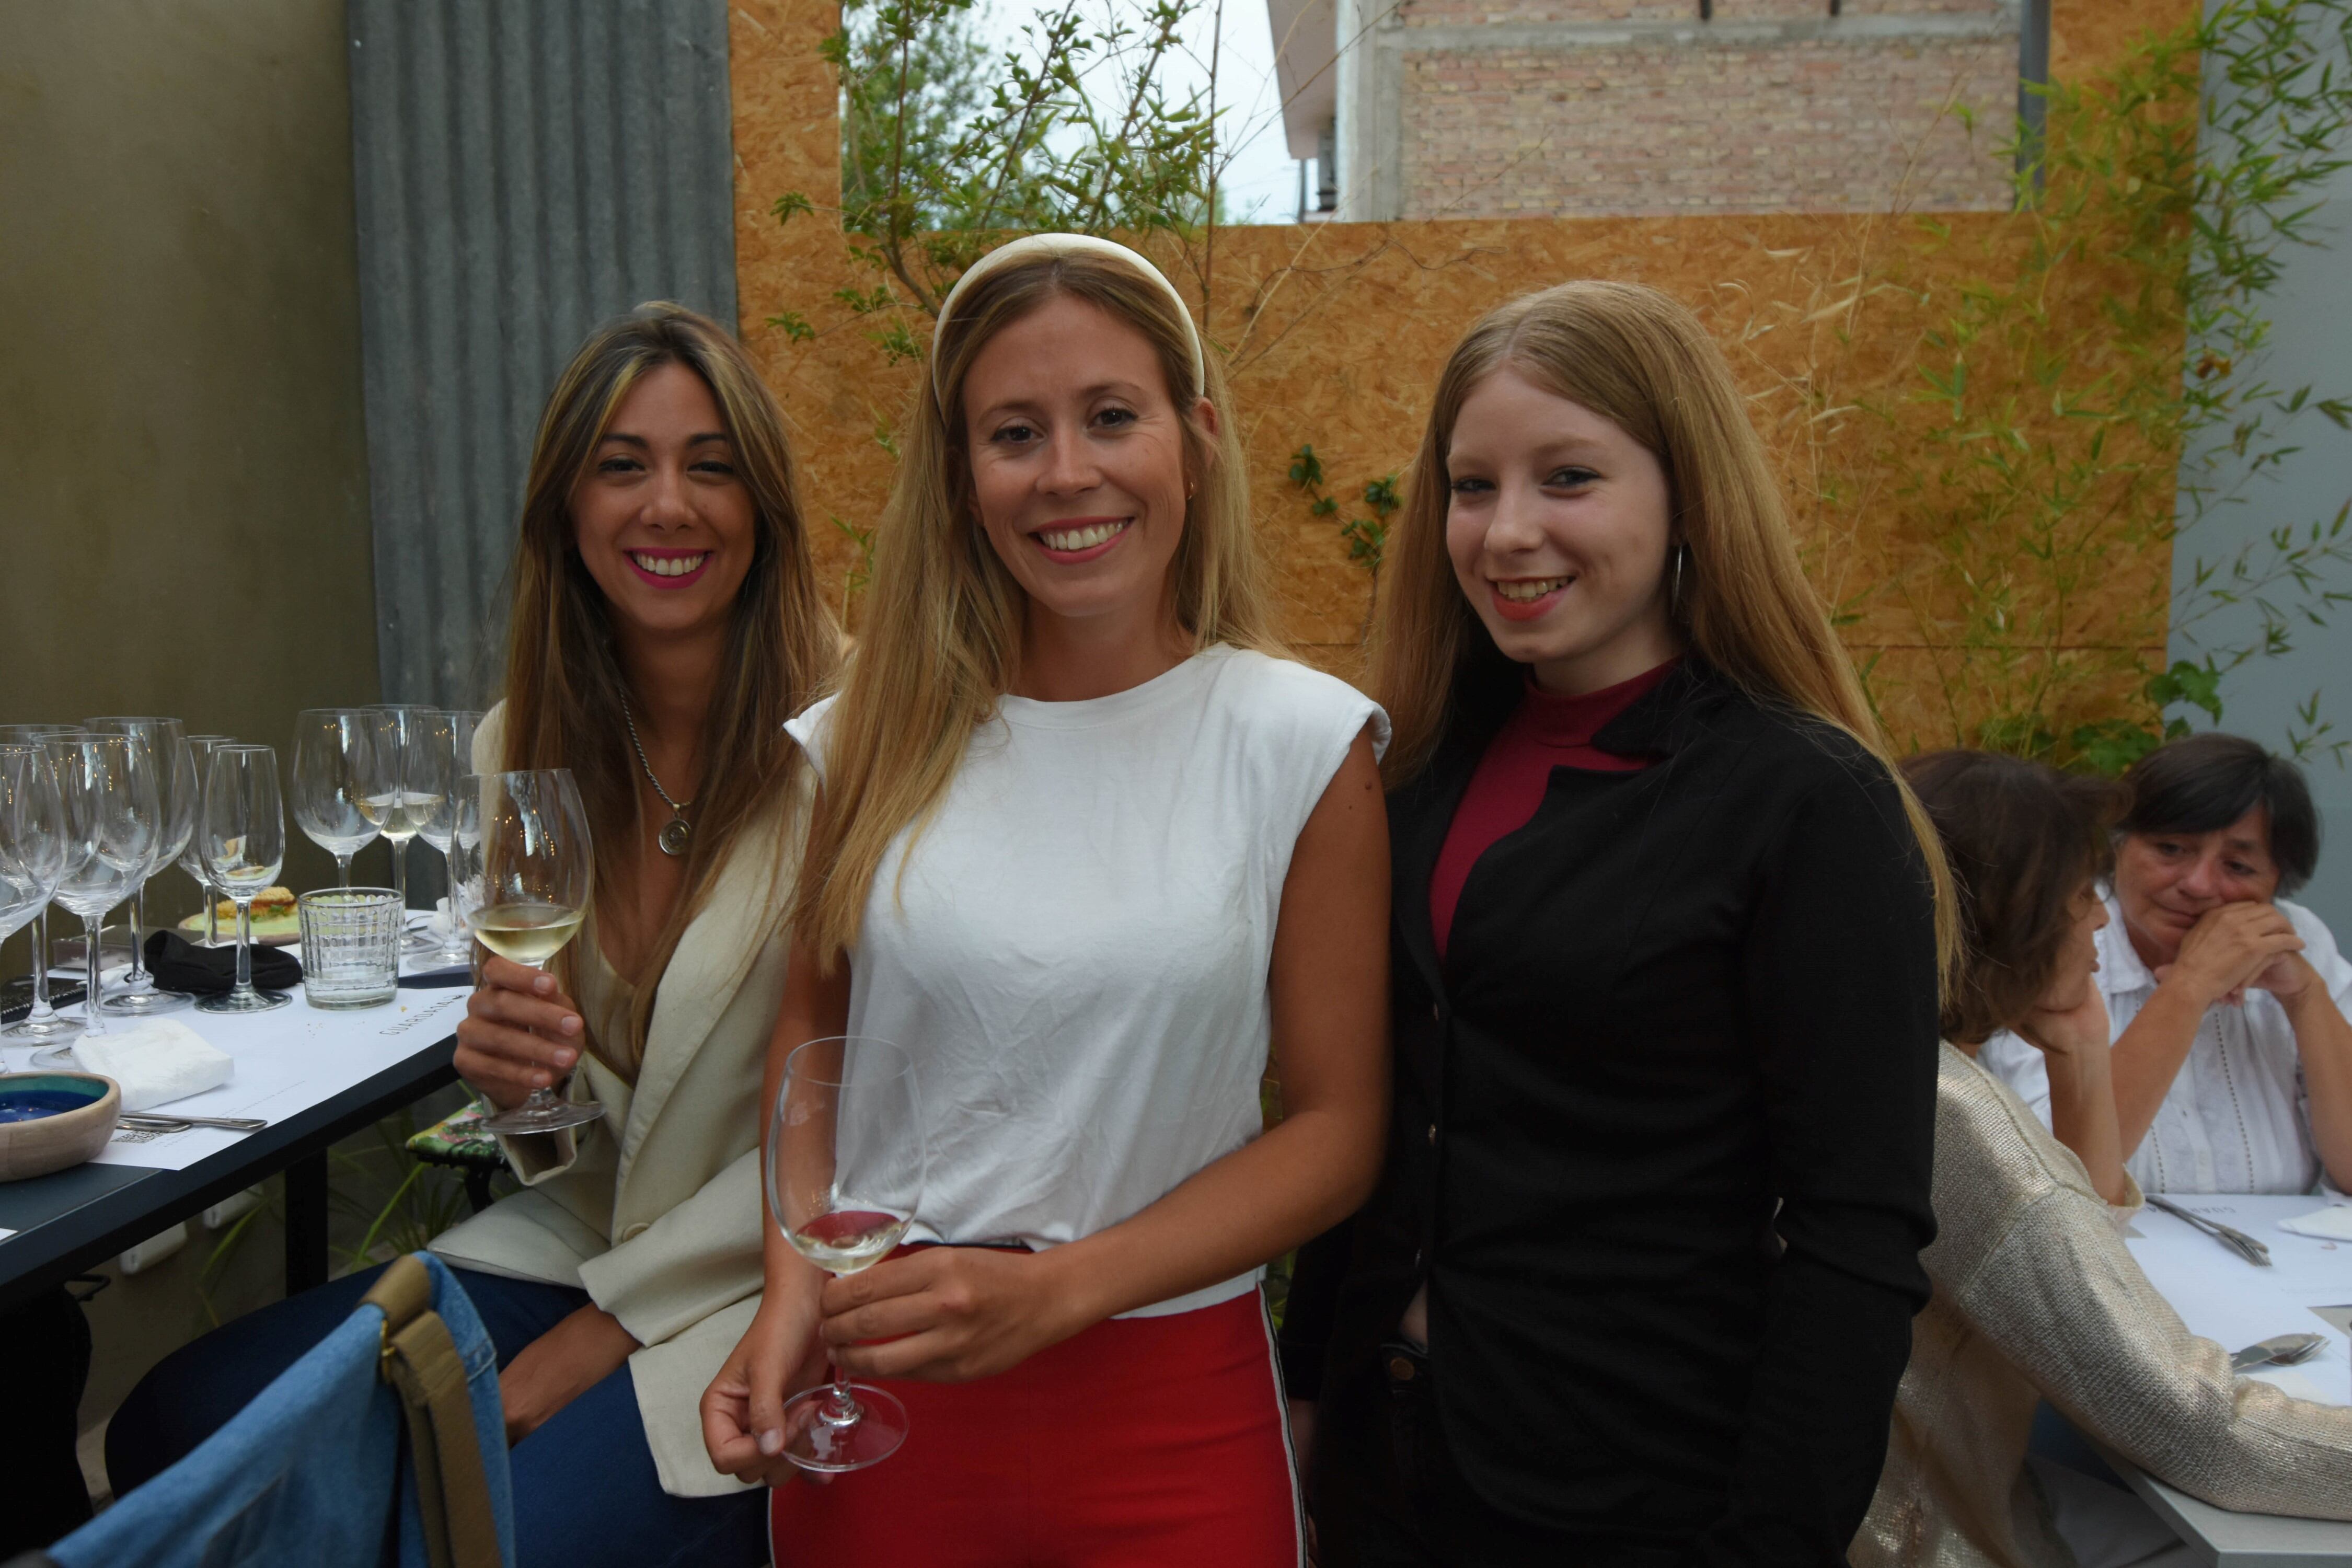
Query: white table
{"x": 318, "y": 1076}
{"x": 2223, "y": 1297}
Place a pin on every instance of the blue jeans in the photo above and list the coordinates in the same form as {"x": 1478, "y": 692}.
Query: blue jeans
{"x": 585, "y": 1489}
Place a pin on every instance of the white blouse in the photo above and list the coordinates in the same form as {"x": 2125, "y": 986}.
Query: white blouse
{"x": 1075, "y": 947}
{"x": 2237, "y": 1118}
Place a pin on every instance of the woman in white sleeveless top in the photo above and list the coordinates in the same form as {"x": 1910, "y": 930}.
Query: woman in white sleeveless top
{"x": 1087, "y": 848}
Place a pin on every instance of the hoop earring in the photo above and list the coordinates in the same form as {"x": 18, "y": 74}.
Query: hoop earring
{"x": 1674, "y": 593}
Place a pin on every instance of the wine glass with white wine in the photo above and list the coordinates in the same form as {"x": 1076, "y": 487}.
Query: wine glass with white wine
{"x": 537, "y": 870}
{"x": 846, "y": 1165}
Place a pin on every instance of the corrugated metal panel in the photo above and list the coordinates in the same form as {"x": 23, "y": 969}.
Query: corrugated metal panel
{"x": 524, "y": 170}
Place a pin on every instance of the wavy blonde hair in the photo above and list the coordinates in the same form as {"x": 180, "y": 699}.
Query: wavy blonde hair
{"x": 1640, "y": 360}
{"x": 945, "y": 617}
{"x": 563, "y": 681}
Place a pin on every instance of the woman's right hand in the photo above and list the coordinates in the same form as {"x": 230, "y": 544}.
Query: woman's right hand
{"x": 743, "y": 1408}
{"x": 521, "y": 1032}
{"x": 2228, "y": 947}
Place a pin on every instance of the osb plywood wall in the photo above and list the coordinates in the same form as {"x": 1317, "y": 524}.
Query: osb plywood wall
{"x": 1335, "y": 334}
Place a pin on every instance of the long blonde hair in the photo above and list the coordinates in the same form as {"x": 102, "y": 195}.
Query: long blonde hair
{"x": 563, "y": 682}
{"x": 1642, "y": 361}
{"x": 944, "y": 618}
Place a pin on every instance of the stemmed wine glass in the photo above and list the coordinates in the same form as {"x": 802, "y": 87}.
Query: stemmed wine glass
{"x": 192, "y": 860}
{"x": 536, "y": 873}
{"x": 44, "y": 1025}
{"x": 176, "y": 776}
{"x": 242, "y": 837}
{"x": 399, "y": 800}
{"x": 113, "y": 831}
{"x": 335, "y": 765}
{"x": 449, "y": 758}
{"x": 846, "y": 1171}
{"x": 32, "y": 834}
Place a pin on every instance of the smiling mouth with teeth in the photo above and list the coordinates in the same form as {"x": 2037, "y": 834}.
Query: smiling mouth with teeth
{"x": 1084, "y": 538}
{"x": 668, "y": 566}
{"x": 1528, "y": 591}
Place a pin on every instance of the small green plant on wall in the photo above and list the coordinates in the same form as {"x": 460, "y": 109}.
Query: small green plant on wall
{"x": 1367, "y": 538}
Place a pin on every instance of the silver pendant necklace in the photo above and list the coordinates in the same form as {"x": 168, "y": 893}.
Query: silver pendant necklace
{"x": 674, "y": 833}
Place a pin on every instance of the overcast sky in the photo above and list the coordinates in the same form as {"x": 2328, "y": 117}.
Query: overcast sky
{"x": 1261, "y": 180}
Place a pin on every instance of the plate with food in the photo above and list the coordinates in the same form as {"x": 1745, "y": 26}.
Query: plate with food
{"x": 275, "y": 923}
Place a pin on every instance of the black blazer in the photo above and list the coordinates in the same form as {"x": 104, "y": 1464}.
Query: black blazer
{"x": 1661, "y": 1139}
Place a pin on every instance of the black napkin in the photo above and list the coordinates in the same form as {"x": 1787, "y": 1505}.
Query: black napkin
{"x": 178, "y": 965}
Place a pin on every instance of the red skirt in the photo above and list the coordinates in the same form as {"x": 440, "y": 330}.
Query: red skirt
{"x": 1143, "y": 1442}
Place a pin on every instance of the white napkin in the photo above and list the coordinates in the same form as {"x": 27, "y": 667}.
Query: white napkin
{"x": 2331, "y": 1224}
{"x": 155, "y": 1061}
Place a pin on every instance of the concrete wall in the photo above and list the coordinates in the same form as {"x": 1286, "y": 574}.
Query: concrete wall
{"x": 183, "y": 476}
{"x": 2311, "y": 316}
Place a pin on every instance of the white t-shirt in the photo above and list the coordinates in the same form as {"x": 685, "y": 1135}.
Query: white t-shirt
{"x": 2237, "y": 1118}
{"x": 1076, "y": 953}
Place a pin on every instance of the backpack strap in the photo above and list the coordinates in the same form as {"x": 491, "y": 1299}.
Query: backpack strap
{"x": 421, "y": 1361}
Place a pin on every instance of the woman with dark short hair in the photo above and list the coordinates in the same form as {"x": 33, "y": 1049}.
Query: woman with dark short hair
{"x": 2232, "y": 1060}
{"x": 2035, "y": 1297}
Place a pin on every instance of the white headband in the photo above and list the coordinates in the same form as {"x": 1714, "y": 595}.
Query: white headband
{"x": 1060, "y": 245}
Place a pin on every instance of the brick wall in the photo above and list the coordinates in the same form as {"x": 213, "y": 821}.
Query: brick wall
{"x": 1544, "y": 108}
{"x": 1805, "y": 127}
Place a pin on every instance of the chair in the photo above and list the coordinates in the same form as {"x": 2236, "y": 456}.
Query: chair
{"x": 457, "y": 1142}
{"x": 385, "y": 1442}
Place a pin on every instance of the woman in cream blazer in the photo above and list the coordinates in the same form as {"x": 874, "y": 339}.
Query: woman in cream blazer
{"x": 654, "y": 1211}
{"x": 2036, "y": 1296}
{"x": 664, "y": 625}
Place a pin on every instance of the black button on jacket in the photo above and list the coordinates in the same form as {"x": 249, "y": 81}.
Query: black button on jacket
{"x": 1661, "y": 1139}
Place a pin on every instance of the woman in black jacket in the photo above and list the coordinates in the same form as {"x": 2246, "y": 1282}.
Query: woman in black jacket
{"x": 1637, "y": 1283}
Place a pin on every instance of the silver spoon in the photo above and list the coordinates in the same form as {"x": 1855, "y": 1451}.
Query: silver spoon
{"x": 2283, "y": 1350}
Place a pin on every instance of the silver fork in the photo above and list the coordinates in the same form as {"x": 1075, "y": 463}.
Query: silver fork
{"x": 2236, "y": 1240}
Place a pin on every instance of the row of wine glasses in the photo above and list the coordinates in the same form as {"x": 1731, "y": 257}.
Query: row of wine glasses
{"x": 361, "y": 774}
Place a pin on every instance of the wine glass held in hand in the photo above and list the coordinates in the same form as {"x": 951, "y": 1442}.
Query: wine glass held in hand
{"x": 536, "y": 872}
{"x": 334, "y": 768}
{"x": 845, "y": 1168}
{"x": 242, "y": 834}
{"x": 113, "y": 831}
{"x": 176, "y": 778}
{"x": 399, "y": 798}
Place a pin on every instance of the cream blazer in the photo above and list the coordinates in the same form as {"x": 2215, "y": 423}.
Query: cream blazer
{"x": 2037, "y": 1296}
{"x": 654, "y": 1211}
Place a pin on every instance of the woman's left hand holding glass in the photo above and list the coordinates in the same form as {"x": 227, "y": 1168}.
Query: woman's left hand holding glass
{"x": 951, "y": 1314}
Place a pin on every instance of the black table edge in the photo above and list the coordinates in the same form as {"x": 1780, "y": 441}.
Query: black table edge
{"x": 44, "y": 1254}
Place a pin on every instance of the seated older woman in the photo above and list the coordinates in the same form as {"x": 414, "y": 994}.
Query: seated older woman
{"x": 2233, "y": 1060}
{"x": 2035, "y": 1296}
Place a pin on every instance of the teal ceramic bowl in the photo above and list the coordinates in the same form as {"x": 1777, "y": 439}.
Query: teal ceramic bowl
{"x": 49, "y": 1120}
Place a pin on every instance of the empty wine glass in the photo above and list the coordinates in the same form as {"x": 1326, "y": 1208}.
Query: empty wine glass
{"x": 449, "y": 758}
{"x": 537, "y": 871}
{"x": 42, "y": 1023}
{"x": 175, "y": 774}
{"x": 192, "y": 860}
{"x": 845, "y": 1170}
{"x": 334, "y": 761}
{"x": 242, "y": 837}
{"x": 32, "y": 834}
{"x": 399, "y": 798}
{"x": 114, "y": 808}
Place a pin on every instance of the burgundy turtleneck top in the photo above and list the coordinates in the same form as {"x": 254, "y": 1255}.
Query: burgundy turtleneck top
{"x": 1545, "y": 731}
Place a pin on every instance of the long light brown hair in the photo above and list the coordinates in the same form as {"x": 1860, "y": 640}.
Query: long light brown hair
{"x": 1642, "y": 361}
{"x": 944, "y": 616}
{"x": 564, "y": 687}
